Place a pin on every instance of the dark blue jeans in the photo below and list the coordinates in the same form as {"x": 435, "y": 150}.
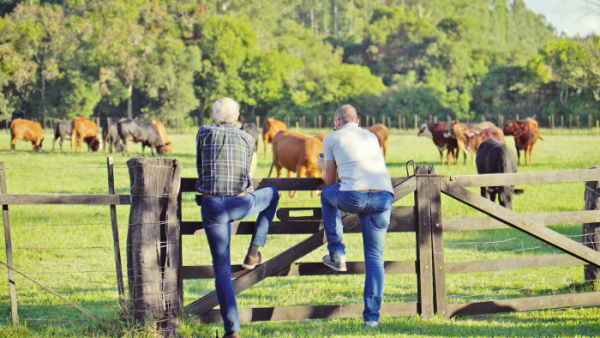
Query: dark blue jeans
{"x": 374, "y": 210}
{"x": 218, "y": 215}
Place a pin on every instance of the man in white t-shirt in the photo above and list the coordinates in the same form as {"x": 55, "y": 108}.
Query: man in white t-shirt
{"x": 365, "y": 189}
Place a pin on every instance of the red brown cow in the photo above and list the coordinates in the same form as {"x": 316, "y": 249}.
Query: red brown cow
{"x": 84, "y": 130}
{"x": 474, "y": 140}
{"x": 435, "y": 131}
{"x": 270, "y": 128}
{"x": 526, "y": 133}
{"x": 297, "y": 153}
{"x": 381, "y": 132}
{"x": 458, "y": 131}
{"x": 162, "y": 132}
{"x": 28, "y": 131}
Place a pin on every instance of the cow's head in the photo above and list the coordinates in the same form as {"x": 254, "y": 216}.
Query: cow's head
{"x": 450, "y": 131}
{"x": 161, "y": 149}
{"x": 509, "y": 128}
{"x": 93, "y": 142}
{"x": 168, "y": 147}
{"x": 505, "y": 195}
{"x": 37, "y": 146}
{"x": 424, "y": 131}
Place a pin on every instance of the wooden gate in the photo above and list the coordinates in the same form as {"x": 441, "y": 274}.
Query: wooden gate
{"x": 425, "y": 220}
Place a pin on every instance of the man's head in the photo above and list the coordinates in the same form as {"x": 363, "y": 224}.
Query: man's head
{"x": 345, "y": 114}
{"x": 225, "y": 110}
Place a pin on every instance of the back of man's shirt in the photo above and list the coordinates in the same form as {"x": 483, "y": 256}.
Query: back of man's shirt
{"x": 223, "y": 158}
{"x": 358, "y": 157}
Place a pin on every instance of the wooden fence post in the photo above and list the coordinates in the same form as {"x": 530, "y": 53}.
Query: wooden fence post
{"x": 115, "y": 229}
{"x": 153, "y": 243}
{"x": 374, "y": 121}
{"x": 424, "y": 248}
{"x": 416, "y": 122}
{"x": 437, "y": 245}
{"x": 320, "y": 120}
{"x": 434, "y": 118}
{"x": 9, "y": 258}
{"x": 591, "y": 231}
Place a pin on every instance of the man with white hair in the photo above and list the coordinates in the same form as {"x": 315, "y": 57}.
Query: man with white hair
{"x": 365, "y": 189}
{"x": 223, "y": 159}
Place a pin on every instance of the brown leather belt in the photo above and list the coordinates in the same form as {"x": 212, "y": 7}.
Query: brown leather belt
{"x": 372, "y": 190}
{"x": 238, "y": 195}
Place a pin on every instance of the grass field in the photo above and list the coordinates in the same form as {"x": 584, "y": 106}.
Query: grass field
{"x": 69, "y": 249}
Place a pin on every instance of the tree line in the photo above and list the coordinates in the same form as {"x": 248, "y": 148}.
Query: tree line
{"x": 170, "y": 60}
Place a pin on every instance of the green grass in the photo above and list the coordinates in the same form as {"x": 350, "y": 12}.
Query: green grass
{"x": 69, "y": 248}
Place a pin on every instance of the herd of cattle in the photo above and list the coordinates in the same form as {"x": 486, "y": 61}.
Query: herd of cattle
{"x": 298, "y": 153}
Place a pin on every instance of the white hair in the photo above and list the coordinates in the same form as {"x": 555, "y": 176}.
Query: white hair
{"x": 225, "y": 112}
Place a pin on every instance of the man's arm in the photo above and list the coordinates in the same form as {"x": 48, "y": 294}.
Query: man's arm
{"x": 329, "y": 174}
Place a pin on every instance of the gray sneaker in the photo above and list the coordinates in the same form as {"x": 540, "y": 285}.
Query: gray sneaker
{"x": 337, "y": 263}
{"x": 371, "y": 324}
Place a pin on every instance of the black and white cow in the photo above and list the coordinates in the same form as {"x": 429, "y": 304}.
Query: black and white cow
{"x": 495, "y": 157}
{"x": 140, "y": 131}
{"x": 110, "y": 136}
{"x": 62, "y": 130}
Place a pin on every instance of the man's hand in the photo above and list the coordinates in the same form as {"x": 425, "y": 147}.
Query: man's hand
{"x": 321, "y": 165}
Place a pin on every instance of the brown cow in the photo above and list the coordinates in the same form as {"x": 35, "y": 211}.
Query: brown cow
{"x": 270, "y": 128}
{"x": 28, "y": 131}
{"x": 474, "y": 140}
{"x": 320, "y": 137}
{"x": 458, "y": 131}
{"x": 162, "y": 132}
{"x": 526, "y": 133}
{"x": 84, "y": 130}
{"x": 435, "y": 131}
{"x": 381, "y": 132}
{"x": 297, "y": 153}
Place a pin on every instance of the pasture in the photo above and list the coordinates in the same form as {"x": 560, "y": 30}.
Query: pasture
{"x": 69, "y": 249}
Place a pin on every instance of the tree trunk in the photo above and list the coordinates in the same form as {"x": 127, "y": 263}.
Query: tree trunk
{"x": 335, "y": 19}
{"x": 153, "y": 243}
{"x": 129, "y": 102}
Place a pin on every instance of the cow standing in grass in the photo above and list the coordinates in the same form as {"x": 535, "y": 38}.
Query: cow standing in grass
{"x": 140, "y": 131}
{"x": 62, "y": 130}
{"x": 110, "y": 136}
{"x": 474, "y": 140}
{"x": 459, "y": 131}
{"x": 435, "y": 131}
{"x": 84, "y": 130}
{"x": 28, "y": 131}
{"x": 526, "y": 133}
{"x": 270, "y": 128}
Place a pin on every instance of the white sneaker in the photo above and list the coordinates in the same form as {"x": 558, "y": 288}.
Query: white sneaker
{"x": 371, "y": 324}
{"x": 337, "y": 264}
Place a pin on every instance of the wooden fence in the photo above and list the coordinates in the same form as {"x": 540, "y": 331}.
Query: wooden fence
{"x": 426, "y": 221}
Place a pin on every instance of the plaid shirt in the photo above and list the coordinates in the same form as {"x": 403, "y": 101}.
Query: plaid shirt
{"x": 223, "y": 157}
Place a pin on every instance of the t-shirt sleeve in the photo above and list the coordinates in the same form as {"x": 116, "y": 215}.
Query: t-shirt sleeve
{"x": 327, "y": 148}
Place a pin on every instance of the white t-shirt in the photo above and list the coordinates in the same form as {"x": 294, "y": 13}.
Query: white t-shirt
{"x": 358, "y": 157}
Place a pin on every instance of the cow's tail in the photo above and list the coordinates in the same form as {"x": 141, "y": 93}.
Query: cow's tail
{"x": 56, "y": 132}
{"x": 541, "y": 138}
{"x": 271, "y": 170}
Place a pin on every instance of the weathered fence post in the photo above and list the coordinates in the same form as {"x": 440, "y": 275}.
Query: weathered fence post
{"x": 9, "y": 257}
{"x": 153, "y": 246}
{"x": 416, "y": 122}
{"x": 115, "y": 228}
{"x": 425, "y": 288}
{"x": 591, "y": 231}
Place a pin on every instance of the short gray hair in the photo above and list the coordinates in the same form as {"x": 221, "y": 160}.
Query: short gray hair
{"x": 225, "y": 110}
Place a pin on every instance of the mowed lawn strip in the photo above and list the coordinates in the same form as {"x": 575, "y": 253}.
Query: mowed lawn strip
{"x": 69, "y": 248}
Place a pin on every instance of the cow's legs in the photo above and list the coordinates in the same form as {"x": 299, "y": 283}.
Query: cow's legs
{"x": 152, "y": 150}
{"x": 441, "y": 156}
{"x": 473, "y": 157}
{"x": 301, "y": 171}
{"x": 13, "y": 142}
{"x": 54, "y": 143}
{"x": 291, "y": 193}
{"x": 266, "y": 142}
{"x": 124, "y": 148}
{"x": 530, "y": 148}
{"x": 484, "y": 192}
{"x": 385, "y": 150}
{"x": 80, "y": 144}
{"x": 519, "y": 156}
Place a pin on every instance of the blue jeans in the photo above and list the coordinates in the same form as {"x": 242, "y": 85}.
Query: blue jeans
{"x": 218, "y": 215}
{"x": 374, "y": 210}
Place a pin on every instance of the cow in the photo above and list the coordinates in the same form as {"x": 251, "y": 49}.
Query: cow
{"x": 495, "y": 157}
{"x": 162, "y": 132}
{"x": 320, "y": 137}
{"x": 474, "y": 140}
{"x": 435, "y": 131}
{"x": 270, "y": 128}
{"x": 110, "y": 136}
{"x": 526, "y": 133}
{"x": 140, "y": 131}
{"x": 84, "y": 130}
{"x": 297, "y": 153}
{"x": 62, "y": 130}
{"x": 458, "y": 131}
{"x": 251, "y": 129}
{"x": 28, "y": 131}
{"x": 381, "y": 132}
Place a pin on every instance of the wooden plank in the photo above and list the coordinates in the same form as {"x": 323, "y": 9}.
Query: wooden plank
{"x": 74, "y": 199}
{"x": 584, "y": 299}
{"x": 563, "y": 176}
{"x": 188, "y": 184}
{"x": 283, "y": 214}
{"x": 437, "y": 242}
{"x": 522, "y": 223}
{"x": 310, "y": 312}
{"x": 554, "y": 218}
{"x": 9, "y": 257}
{"x": 402, "y": 220}
{"x": 424, "y": 249}
{"x": 302, "y": 269}
{"x": 277, "y": 263}
{"x": 115, "y": 231}
{"x": 591, "y": 230}
{"x": 517, "y": 263}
